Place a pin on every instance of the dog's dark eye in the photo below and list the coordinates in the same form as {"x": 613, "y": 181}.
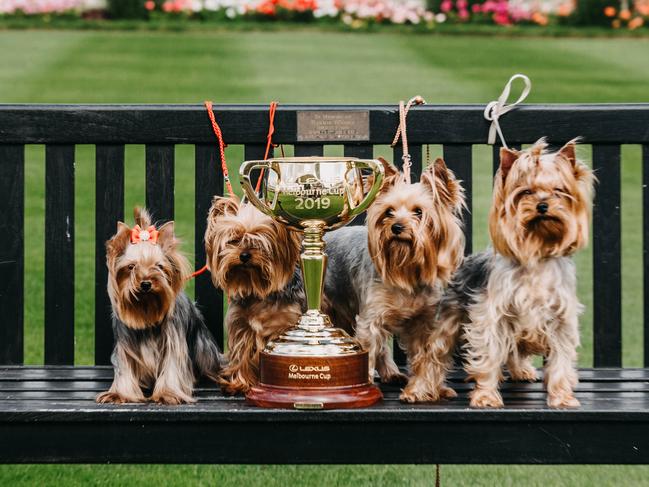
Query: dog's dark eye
{"x": 418, "y": 212}
{"x": 558, "y": 190}
{"x": 234, "y": 241}
{"x": 526, "y": 192}
{"x": 131, "y": 267}
{"x": 160, "y": 266}
{"x": 389, "y": 213}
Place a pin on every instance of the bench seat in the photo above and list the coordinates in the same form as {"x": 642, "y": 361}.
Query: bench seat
{"x": 48, "y": 414}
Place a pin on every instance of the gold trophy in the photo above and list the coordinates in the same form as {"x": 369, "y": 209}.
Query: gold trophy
{"x": 313, "y": 365}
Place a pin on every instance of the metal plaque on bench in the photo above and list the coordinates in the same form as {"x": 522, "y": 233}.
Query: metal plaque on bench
{"x": 332, "y": 125}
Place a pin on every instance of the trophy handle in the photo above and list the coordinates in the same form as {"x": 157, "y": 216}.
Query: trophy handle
{"x": 244, "y": 172}
{"x": 377, "y": 169}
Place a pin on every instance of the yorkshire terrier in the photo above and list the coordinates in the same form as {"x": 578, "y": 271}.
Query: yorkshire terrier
{"x": 520, "y": 298}
{"x": 387, "y": 278}
{"x": 162, "y": 345}
{"x": 254, "y": 259}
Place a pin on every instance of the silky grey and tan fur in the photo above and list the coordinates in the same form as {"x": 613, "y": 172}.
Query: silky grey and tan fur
{"x": 520, "y": 298}
{"x": 254, "y": 260}
{"x": 162, "y": 345}
{"x": 165, "y": 360}
{"x": 387, "y": 278}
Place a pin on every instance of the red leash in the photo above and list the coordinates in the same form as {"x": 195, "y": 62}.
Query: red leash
{"x": 222, "y": 145}
{"x": 269, "y": 139}
{"x": 224, "y": 166}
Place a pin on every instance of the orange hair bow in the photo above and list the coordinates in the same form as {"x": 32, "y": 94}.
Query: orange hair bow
{"x": 139, "y": 235}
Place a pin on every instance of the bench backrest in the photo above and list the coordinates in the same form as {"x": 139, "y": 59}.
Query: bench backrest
{"x": 456, "y": 127}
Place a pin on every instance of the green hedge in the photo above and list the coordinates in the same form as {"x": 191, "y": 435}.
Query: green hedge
{"x": 127, "y": 9}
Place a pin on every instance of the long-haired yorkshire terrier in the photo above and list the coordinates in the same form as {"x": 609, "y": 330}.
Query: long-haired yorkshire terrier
{"x": 162, "y": 345}
{"x": 254, "y": 259}
{"x": 520, "y": 298}
{"x": 387, "y": 278}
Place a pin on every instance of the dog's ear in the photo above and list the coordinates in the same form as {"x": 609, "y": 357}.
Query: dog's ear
{"x": 223, "y": 205}
{"x": 441, "y": 181}
{"x": 116, "y": 245}
{"x": 507, "y": 159}
{"x": 390, "y": 175}
{"x": 568, "y": 152}
{"x": 166, "y": 236}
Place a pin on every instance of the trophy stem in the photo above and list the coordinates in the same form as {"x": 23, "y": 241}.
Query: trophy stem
{"x": 313, "y": 263}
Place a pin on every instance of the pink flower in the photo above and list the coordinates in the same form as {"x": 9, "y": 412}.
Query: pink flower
{"x": 446, "y": 6}
{"x": 463, "y": 14}
{"x": 149, "y": 5}
{"x": 461, "y": 4}
{"x": 475, "y": 8}
{"x": 501, "y": 18}
{"x": 489, "y": 6}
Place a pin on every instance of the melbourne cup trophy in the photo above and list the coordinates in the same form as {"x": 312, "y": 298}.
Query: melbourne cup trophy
{"x": 313, "y": 365}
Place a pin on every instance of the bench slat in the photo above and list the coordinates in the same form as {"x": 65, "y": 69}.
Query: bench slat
{"x": 12, "y": 234}
{"x": 109, "y": 209}
{"x": 459, "y": 159}
{"x": 254, "y": 152}
{"x": 308, "y": 150}
{"x": 242, "y": 124}
{"x": 607, "y": 286}
{"x": 645, "y": 247}
{"x": 208, "y": 183}
{"x": 415, "y": 173}
{"x": 361, "y": 151}
{"x": 59, "y": 254}
{"x": 160, "y": 181}
{"x": 415, "y": 158}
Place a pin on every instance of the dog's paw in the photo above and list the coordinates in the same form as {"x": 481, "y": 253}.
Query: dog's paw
{"x": 415, "y": 393}
{"x": 447, "y": 393}
{"x": 566, "y": 400}
{"x": 110, "y": 397}
{"x": 233, "y": 387}
{"x": 396, "y": 379}
{"x": 170, "y": 398}
{"x": 524, "y": 374}
{"x": 484, "y": 398}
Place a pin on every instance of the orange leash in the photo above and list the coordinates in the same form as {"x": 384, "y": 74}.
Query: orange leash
{"x": 224, "y": 166}
{"x": 269, "y": 139}
{"x": 222, "y": 146}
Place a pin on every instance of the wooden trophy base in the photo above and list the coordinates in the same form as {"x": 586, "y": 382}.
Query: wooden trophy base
{"x": 314, "y": 382}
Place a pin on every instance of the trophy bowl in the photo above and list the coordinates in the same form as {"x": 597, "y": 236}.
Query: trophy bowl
{"x": 314, "y": 365}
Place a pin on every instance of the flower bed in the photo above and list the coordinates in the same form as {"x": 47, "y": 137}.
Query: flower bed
{"x": 353, "y": 13}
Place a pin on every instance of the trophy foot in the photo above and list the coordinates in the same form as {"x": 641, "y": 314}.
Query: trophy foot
{"x": 317, "y": 398}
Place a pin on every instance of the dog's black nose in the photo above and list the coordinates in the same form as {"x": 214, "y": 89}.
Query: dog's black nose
{"x": 145, "y": 286}
{"x": 244, "y": 257}
{"x": 542, "y": 207}
{"x": 397, "y": 228}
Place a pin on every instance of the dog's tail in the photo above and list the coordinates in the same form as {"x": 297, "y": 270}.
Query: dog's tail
{"x": 142, "y": 217}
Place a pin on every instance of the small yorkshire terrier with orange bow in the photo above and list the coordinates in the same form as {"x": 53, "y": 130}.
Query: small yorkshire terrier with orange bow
{"x": 388, "y": 277}
{"x": 520, "y": 298}
{"x": 254, "y": 259}
{"x": 162, "y": 345}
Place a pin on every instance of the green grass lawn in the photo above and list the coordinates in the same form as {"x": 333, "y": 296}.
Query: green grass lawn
{"x": 298, "y": 67}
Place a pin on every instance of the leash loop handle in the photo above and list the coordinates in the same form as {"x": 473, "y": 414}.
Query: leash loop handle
{"x": 497, "y": 108}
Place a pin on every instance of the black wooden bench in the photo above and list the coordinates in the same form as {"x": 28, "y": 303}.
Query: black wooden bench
{"x": 48, "y": 414}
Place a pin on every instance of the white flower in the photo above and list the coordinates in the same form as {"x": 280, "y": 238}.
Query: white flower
{"x": 440, "y": 18}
